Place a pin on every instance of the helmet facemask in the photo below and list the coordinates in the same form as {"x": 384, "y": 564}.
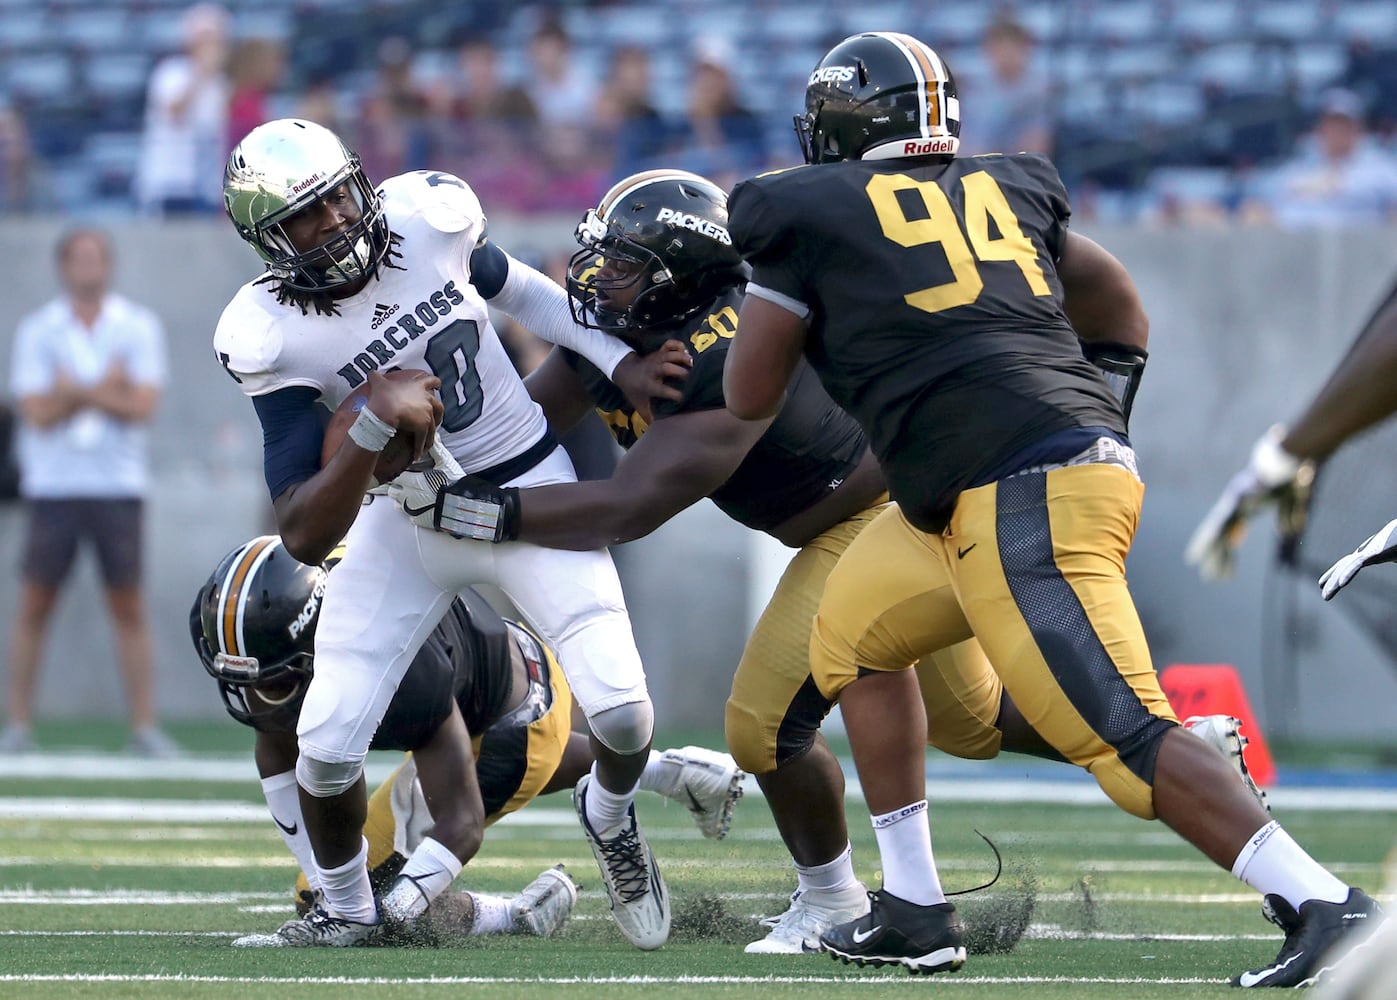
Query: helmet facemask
{"x": 345, "y": 258}
{"x": 603, "y": 243}
{"x": 283, "y": 168}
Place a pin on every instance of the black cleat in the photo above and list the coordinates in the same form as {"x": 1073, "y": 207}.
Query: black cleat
{"x": 922, "y": 939}
{"x": 1316, "y": 938}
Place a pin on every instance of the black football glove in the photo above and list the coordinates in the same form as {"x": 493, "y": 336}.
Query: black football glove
{"x": 1122, "y": 366}
{"x": 472, "y": 507}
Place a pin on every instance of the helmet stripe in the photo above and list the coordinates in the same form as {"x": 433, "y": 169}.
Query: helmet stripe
{"x": 931, "y": 73}
{"x": 635, "y": 182}
{"x": 231, "y": 603}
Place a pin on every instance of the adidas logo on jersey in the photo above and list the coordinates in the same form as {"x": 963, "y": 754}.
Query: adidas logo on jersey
{"x": 411, "y": 324}
{"x": 381, "y": 314}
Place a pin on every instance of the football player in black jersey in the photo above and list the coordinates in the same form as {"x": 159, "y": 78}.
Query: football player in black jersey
{"x": 657, "y": 268}
{"x": 484, "y": 709}
{"x": 945, "y": 305}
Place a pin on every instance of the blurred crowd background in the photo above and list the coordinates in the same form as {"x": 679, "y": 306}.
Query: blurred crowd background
{"x": 1156, "y": 111}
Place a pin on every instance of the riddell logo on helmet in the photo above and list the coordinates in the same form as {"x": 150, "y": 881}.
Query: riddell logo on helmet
{"x": 309, "y": 182}
{"x": 833, "y": 74}
{"x": 919, "y": 147}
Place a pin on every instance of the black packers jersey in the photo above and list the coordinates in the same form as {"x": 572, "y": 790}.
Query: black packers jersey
{"x": 805, "y": 453}
{"x": 936, "y": 309}
{"x": 466, "y": 658}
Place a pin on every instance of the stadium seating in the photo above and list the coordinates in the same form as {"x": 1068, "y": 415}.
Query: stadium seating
{"x": 1151, "y": 66}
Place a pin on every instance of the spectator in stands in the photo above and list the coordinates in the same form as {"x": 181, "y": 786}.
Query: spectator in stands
{"x": 1338, "y": 177}
{"x": 319, "y": 102}
{"x": 718, "y": 137}
{"x": 15, "y": 160}
{"x": 258, "y": 67}
{"x": 638, "y": 131}
{"x": 87, "y": 372}
{"x": 186, "y": 120}
{"x": 1013, "y": 112}
{"x": 392, "y": 130}
{"x": 483, "y": 127}
{"x": 563, "y": 93}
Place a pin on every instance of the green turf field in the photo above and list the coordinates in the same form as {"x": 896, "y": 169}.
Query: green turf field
{"x": 117, "y": 886}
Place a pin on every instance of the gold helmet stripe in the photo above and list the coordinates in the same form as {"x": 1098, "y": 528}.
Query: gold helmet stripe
{"x": 634, "y": 182}
{"x": 931, "y": 73}
{"x": 230, "y": 601}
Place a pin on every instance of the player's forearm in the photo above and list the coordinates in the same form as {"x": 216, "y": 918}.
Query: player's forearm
{"x": 1359, "y": 393}
{"x": 537, "y": 302}
{"x": 313, "y": 516}
{"x": 588, "y": 515}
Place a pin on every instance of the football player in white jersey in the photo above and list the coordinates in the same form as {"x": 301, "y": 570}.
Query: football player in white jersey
{"x": 360, "y": 282}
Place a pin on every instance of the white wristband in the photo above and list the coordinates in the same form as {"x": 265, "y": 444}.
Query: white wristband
{"x": 370, "y": 432}
{"x": 1272, "y": 464}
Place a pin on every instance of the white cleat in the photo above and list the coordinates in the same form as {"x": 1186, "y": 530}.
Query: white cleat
{"x": 317, "y": 929}
{"x": 1224, "y": 733}
{"x": 639, "y": 899}
{"x": 707, "y": 783}
{"x": 544, "y": 906}
{"x": 811, "y": 913}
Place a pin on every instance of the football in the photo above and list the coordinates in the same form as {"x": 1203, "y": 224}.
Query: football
{"x": 396, "y": 455}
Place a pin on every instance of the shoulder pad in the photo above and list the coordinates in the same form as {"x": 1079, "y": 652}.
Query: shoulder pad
{"x": 444, "y": 201}
{"x": 248, "y": 343}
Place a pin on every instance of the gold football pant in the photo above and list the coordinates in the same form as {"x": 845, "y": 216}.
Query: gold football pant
{"x": 514, "y": 761}
{"x": 775, "y": 708}
{"x": 1034, "y": 567}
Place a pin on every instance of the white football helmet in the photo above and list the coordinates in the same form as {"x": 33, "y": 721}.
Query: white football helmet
{"x": 283, "y": 167}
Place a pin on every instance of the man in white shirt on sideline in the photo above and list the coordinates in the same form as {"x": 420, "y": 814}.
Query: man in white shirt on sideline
{"x": 86, "y": 376}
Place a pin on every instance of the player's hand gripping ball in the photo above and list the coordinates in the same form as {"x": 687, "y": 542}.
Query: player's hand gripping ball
{"x": 416, "y": 424}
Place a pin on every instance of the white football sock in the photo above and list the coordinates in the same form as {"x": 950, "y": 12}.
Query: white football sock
{"x": 1273, "y": 863}
{"x": 427, "y": 873}
{"x": 656, "y": 777}
{"x": 347, "y": 890}
{"x": 491, "y": 915}
{"x": 283, "y": 797}
{"x": 832, "y": 876}
{"x": 606, "y": 810}
{"x": 904, "y": 844}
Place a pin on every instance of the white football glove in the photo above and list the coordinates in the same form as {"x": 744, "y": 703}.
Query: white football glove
{"x": 1382, "y": 547}
{"x": 416, "y": 489}
{"x": 1273, "y": 475}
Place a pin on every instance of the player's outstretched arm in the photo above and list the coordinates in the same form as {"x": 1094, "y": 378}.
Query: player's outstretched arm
{"x": 679, "y": 461}
{"x": 1361, "y": 392}
{"x": 768, "y": 345}
{"x": 1379, "y": 548}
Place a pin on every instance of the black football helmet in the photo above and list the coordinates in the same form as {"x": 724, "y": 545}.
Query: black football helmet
{"x": 877, "y": 96}
{"x": 674, "y": 226}
{"x": 253, "y": 624}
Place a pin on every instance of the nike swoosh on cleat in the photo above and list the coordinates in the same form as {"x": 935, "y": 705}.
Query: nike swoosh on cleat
{"x": 1249, "y": 979}
{"x": 290, "y": 831}
{"x": 861, "y": 936}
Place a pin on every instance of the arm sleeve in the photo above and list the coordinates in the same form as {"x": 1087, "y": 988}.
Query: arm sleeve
{"x": 764, "y": 237}
{"x": 292, "y": 435}
{"x": 540, "y": 304}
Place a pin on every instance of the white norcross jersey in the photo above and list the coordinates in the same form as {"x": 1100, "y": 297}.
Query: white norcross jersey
{"x": 421, "y": 313}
